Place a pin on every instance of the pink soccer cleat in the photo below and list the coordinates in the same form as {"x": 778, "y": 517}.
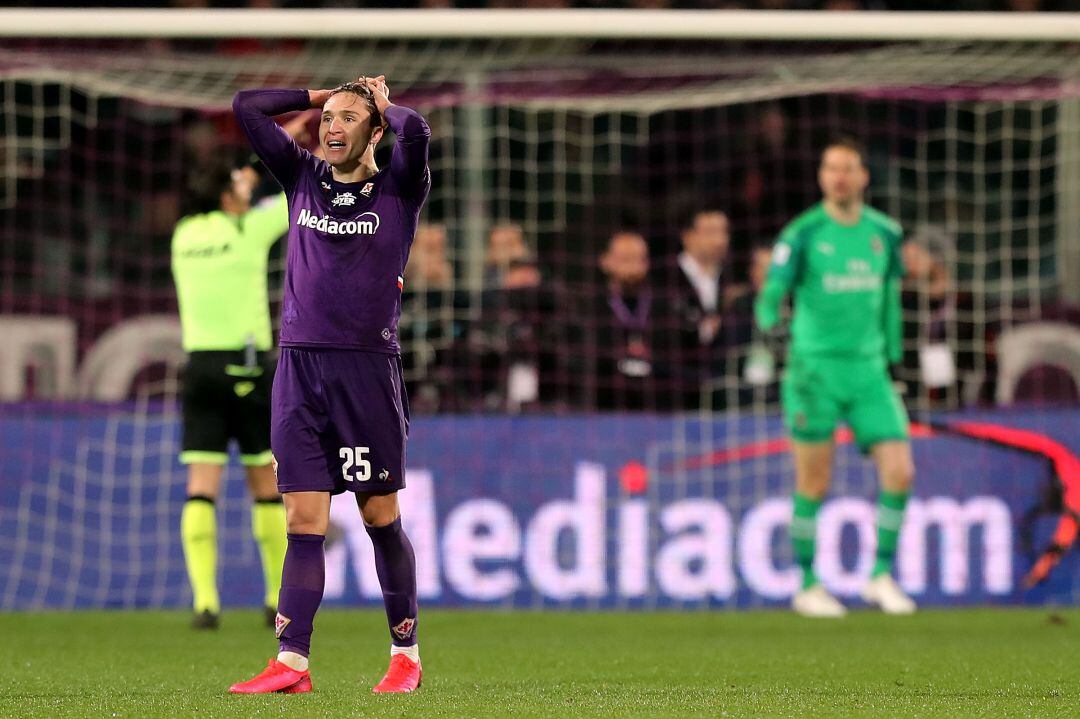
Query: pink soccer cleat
{"x": 277, "y": 677}
{"x": 403, "y": 676}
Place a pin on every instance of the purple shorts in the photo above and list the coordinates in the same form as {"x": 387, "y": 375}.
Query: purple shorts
{"x": 338, "y": 421}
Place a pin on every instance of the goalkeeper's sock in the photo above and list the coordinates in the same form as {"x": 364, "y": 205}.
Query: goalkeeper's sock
{"x": 890, "y": 517}
{"x": 302, "y": 579}
{"x": 803, "y": 536}
{"x": 268, "y": 528}
{"x": 198, "y": 532}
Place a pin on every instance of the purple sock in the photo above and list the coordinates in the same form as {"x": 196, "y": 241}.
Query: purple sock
{"x": 396, "y": 567}
{"x": 302, "y": 580}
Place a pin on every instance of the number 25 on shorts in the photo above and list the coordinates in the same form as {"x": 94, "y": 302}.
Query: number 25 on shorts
{"x": 354, "y": 457}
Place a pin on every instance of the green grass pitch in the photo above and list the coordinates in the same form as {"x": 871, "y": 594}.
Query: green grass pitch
{"x": 961, "y": 663}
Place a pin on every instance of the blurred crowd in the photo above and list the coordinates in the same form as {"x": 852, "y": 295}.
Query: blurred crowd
{"x": 911, "y": 5}
{"x": 644, "y": 333}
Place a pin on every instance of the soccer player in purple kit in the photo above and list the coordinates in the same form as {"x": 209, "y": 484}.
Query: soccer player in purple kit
{"x": 339, "y": 414}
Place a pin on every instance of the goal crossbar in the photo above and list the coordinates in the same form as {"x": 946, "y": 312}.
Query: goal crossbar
{"x": 494, "y": 24}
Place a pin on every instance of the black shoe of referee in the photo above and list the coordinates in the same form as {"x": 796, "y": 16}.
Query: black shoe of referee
{"x": 205, "y": 620}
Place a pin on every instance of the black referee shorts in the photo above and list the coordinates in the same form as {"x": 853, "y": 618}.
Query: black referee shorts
{"x": 223, "y": 399}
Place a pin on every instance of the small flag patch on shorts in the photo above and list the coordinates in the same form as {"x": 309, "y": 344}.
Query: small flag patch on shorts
{"x": 400, "y": 282}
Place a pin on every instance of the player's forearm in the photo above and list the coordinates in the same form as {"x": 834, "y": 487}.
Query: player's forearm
{"x": 255, "y": 106}
{"x": 767, "y": 304}
{"x": 892, "y": 322}
{"x": 255, "y": 111}
{"x": 410, "y": 156}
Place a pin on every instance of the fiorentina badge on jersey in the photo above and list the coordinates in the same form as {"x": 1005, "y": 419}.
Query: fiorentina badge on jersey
{"x": 404, "y": 628}
{"x": 366, "y": 191}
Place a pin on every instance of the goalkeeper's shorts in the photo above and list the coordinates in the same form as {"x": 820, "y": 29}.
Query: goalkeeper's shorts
{"x": 818, "y": 392}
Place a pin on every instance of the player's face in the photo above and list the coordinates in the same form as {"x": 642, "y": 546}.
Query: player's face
{"x": 345, "y": 131}
{"x": 842, "y": 176}
{"x": 627, "y": 259}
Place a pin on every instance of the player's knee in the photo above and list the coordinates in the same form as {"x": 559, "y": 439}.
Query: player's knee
{"x": 899, "y": 474}
{"x": 305, "y": 525}
{"x": 306, "y": 517}
{"x": 903, "y": 475}
{"x": 813, "y": 487}
{"x": 378, "y": 510}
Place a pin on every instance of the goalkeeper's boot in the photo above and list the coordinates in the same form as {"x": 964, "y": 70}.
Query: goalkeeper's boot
{"x": 277, "y": 677}
{"x": 403, "y": 676}
{"x": 205, "y": 620}
{"x": 883, "y": 592}
{"x": 818, "y": 603}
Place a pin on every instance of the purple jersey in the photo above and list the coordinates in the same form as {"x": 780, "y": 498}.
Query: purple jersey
{"x": 348, "y": 241}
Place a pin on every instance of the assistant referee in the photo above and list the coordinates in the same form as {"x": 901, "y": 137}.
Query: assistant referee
{"x": 219, "y": 264}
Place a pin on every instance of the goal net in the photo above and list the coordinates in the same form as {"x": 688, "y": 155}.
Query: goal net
{"x": 545, "y": 467}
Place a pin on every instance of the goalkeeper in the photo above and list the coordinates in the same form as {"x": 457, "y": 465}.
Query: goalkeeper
{"x": 840, "y": 260}
{"x": 219, "y": 264}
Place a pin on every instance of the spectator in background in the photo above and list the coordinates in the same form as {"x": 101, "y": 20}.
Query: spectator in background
{"x": 738, "y": 324}
{"x": 927, "y": 305}
{"x": 697, "y": 289}
{"x": 699, "y": 285}
{"x": 428, "y": 265}
{"x": 621, "y": 330}
{"x": 774, "y": 183}
{"x": 506, "y": 244}
{"x": 750, "y": 359}
{"x": 432, "y": 318}
{"x": 513, "y": 357}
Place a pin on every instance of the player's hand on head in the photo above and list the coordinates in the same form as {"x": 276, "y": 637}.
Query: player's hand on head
{"x": 318, "y": 98}
{"x": 378, "y": 86}
{"x": 379, "y": 90}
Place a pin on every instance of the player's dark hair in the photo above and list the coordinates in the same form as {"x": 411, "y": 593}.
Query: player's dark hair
{"x": 205, "y": 186}
{"x": 364, "y": 93}
{"x": 847, "y": 142}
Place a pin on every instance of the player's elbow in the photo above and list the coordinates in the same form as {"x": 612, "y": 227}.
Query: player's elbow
{"x": 415, "y": 129}
{"x": 241, "y": 102}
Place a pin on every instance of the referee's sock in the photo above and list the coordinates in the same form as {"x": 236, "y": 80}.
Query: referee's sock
{"x": 198, "y": 532}
{"x": 268, "y": 528}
